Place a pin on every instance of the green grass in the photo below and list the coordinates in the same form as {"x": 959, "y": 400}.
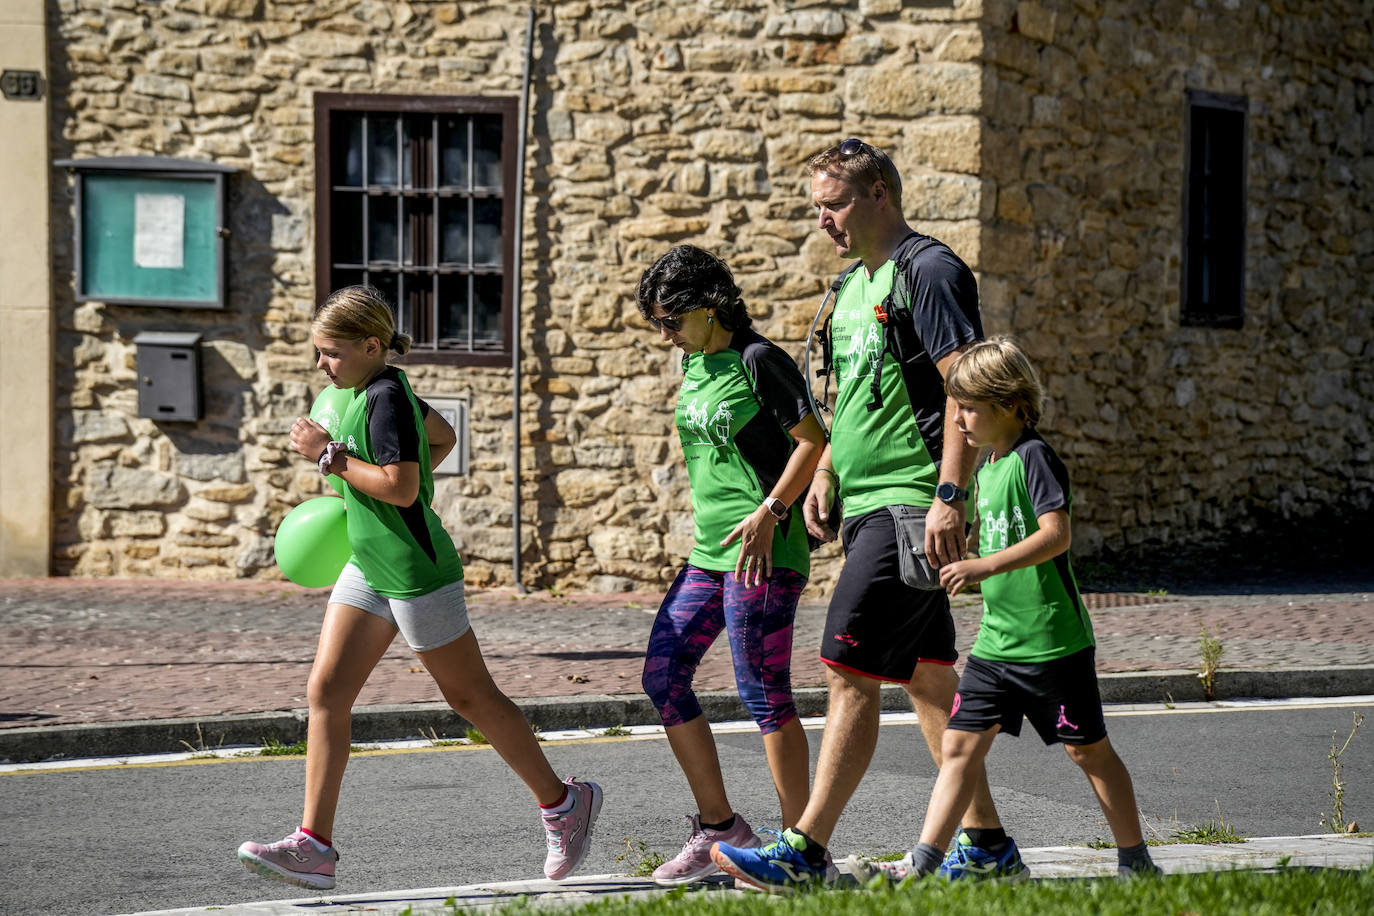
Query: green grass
{"x": 1289, "y": 891}
{"x": 616, "y": 731}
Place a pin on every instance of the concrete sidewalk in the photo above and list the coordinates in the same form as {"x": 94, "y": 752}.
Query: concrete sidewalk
{"x": 98, "y": 667}
{"x": 1050, "y": 862}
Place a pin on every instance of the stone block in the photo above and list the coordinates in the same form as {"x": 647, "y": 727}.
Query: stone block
{"x": 114, "y": 487}
{"x": 936, "y": 196}
{"x": 1036, "y": 22}
{"x": 811, "y": 105}
{"x": 584, "y": 486}
{"x": 614, "y": 545}
{"x": 806, "y": 24}
{"x": 661, "y": 227}
{"x": 225, "y": 466}
{"x": 161, "y": 87}
{"x": 960, "y": 45}
{"x": 601, "y": 129}
{"x": 938, "y": 88}
{"x": 93, "y": 426}
{"x": 234, "y": 9}
{"x": 728, "y": 145}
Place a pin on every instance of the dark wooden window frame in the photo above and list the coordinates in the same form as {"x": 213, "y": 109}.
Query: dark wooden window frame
{"x": 1193, "y": 313}
{"x": 326, "y": 103}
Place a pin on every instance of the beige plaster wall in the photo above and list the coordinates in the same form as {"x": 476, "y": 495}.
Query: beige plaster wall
{"x": 26, "y": 323}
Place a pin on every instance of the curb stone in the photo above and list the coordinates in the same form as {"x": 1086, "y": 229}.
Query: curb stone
{"x": 393, "y": 722}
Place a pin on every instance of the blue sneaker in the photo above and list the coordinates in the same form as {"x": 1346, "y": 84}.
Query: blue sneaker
{"x": 778, "y": 868}
{"x": 969, "y": 861}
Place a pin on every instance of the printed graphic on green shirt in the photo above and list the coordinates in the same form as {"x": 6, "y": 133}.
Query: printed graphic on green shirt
{"x": 1032, "y": 614}
{"x": 879, "y": 455}
{"x": 716, "y": 403}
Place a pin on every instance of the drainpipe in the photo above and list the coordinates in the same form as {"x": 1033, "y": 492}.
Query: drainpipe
{"x": 518, "y": 287}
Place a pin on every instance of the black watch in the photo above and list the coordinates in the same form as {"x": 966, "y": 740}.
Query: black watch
{"x": 949, "y": 494}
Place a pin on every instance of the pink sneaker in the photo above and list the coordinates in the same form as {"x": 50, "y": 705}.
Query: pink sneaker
{"x": 294, "y": 860}
{"x": 694, "y": 862}
{"x": 569, "y": 834}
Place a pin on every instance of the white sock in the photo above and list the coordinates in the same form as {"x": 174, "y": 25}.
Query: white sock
{"x": 319, "y": 847}
{"x": 562, "y": 807}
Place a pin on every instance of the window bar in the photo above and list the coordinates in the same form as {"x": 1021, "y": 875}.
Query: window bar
{"x": 399, "y": 253}
{"x": 367, "y": 203}
{"x": 435, "y": 155}
{"x": 472, "y": 312}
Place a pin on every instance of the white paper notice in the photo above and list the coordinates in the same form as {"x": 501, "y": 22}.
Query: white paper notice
{"x": 159, "y": 230}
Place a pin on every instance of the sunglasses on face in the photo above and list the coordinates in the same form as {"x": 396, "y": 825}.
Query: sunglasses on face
{"x": 671, "y": 322}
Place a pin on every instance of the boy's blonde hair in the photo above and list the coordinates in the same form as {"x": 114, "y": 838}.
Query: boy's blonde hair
{"x": 996, "y": 371}
{"x": 357, "y": 313}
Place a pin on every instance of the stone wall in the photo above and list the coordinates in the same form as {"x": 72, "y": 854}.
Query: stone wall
{"x": 1043, "y": 141}
{"x": 1173, "y": 434}
{"x": 652, "y": 124}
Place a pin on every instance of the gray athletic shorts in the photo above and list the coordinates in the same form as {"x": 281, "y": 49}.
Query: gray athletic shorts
{"x": 426, "y": 621}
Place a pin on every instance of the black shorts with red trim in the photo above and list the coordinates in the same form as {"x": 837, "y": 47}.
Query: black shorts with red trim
{"x": 1059, "y": 697}
{"x": 877, "y": 625}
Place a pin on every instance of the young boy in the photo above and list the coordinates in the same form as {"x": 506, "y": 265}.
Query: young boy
{"x": 1034, "y": 653}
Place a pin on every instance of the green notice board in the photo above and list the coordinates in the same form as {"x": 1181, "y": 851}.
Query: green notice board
{"x": 151, "y": 239}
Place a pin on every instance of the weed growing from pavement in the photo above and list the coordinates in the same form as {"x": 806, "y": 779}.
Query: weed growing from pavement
{"x": 273, "y": 747}
{"x": 616, "y": 731}
{"x": 198, "y": 750}
{"x": 436, "y": 741}
{"x": 1327, "y": 892}
{"x": 1211, "y": 663}
{"x": 640, "y": 860}
{"x": 1212, "y": 832}
{"x": 1335, "y": 821}
{"x": 476, "y": 737}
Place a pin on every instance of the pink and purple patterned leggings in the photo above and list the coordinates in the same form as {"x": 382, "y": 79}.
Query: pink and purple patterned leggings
{"x": 758, "y": 622}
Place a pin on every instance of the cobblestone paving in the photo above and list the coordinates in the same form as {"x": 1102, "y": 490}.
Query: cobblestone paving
{"x": 80, "y": 651}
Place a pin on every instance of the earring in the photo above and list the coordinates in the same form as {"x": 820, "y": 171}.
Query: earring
{"x": 710, "y": 319}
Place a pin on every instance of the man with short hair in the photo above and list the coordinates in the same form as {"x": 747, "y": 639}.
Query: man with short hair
{"x": 903, "y": 312}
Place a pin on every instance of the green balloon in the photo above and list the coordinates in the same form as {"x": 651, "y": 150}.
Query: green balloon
{"x": 328, "y": 410}
{"x": 312, "y": 542}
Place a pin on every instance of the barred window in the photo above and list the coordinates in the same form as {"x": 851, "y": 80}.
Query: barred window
{"x": 1214, "y": 212}
{"x": 415, "y": 196}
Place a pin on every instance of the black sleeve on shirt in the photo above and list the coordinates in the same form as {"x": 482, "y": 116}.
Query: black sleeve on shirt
{"x": 944, "y": 301}
{"x": 1047, "y": 480}
{"x": 391, "y": 422}
{"x": 777, "y": 380}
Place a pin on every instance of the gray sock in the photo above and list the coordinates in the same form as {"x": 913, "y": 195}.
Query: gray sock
{"x": 1134, "y": 859}
{"x": 927, "y": 858}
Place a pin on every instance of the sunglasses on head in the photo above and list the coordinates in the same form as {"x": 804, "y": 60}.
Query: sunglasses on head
{"x": 852, "y": 146}
{"x": 671, "y": 322}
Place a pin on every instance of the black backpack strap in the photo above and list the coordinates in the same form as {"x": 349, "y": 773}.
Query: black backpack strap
{"x": 827, "y": 342}
{"x": 894, "y": 312}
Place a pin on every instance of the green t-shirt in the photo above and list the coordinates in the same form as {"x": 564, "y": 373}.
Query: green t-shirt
{"x": 403, "y": 552}
{"x": 733, "y": 413}
{"x": 879, "y": 455}
{"x": 889, "y": 455}
{"x": 1032, "y": 614}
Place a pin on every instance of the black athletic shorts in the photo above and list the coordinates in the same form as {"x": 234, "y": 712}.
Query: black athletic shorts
{"x": 1059, "y": 698}
{"x": 877, "y": 625}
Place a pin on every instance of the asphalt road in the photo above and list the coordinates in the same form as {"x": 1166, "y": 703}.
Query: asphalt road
{"x": 132, "y": 838}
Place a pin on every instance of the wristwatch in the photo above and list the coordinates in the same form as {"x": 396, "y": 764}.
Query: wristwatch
{"x": 776, "y": 506}
{"x": 949, "y": 494}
